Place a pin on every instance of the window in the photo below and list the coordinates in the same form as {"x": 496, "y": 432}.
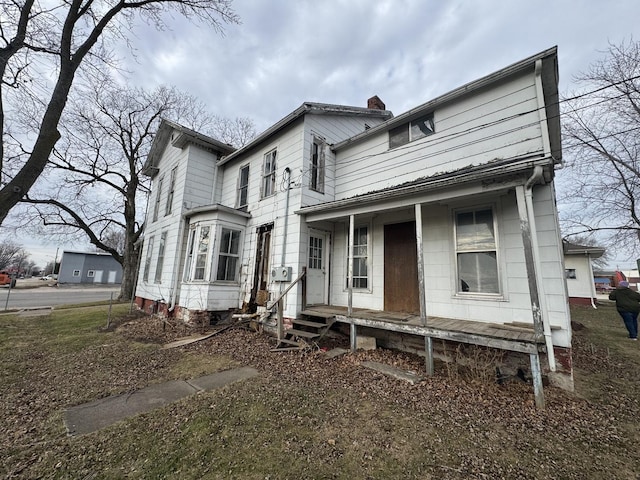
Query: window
{"x": 91, "y": 273}
{"x": 360, "y": 257}
{"x": 269, "y": 174}
{"x": 476, "y": 252}
{"x": 229, "y": 254}
{"x": 172, "y": 187}
{"x": 156, "y": 207}
{"x": 316, "y": 181}
{"x": 76, "y": 273}
{"x": 315, "y": 252}
{"x": 189, "y": 261}
{"x": 243, "y": 188}
{"x": 570, "y": 273}
{"x": 160, "y": 262}
{"x": 202, "y": 253}
{"x": 147, "y": 260}
{"x": 411, "y": 131}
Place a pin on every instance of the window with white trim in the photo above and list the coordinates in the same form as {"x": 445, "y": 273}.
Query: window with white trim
{"x": 202, "y": 253}
{"x": 190, "y": 251}
{"x": 316, "y": 169}
{"x": 76, "y": 273}
{"x": 269, "y": 174}
{"x": 172, "y": 186}
{"x": 147, "y": 260}
{"x": 243, "y": 188}
{"x": 229, "y": 255}
{"x": 91, "y": 273}
{"x": 156, "y": 206}
{"x": 360, "y": 257}
{"x": 476, "y": 252}
{"x": 411, "y": 131}
{"x": 160, "y": 262}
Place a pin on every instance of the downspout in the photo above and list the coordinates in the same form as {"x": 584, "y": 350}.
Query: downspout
{"x": 286, "y": 217}
{"x": 593, "y": 287}
{"x": 285, "y": 227}
{"x": 542, "y": 114}
{"x": 536, "y": 178}
{"x": 177, "y": 270}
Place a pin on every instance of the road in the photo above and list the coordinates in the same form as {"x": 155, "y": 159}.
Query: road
{"x": 51, "y": 295}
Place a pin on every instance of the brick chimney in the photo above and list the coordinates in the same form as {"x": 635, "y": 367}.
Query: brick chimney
{"x": 375, "y": 103}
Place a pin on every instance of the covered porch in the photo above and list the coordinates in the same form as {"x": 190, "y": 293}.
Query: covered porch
{"x": 415, "y": 223}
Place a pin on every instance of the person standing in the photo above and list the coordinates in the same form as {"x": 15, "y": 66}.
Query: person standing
{"x": 628, "y": 305}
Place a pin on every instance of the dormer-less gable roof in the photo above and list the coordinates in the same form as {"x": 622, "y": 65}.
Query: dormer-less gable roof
{"x": 304, "y": 109}
{"x": 183, "y": 137}
{"x": 549, "y": 73}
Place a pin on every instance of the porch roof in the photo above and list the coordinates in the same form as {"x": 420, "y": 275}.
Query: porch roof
{"x": 473, "y": 180}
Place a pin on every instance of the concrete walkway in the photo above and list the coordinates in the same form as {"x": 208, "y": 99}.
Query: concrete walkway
{"x": 95, "y": 415}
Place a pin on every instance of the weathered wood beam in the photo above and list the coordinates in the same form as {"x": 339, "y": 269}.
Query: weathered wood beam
{"x": 427, "y": 331}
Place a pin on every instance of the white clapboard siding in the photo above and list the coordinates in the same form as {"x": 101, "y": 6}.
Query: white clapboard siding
{"x": 498, "y": 123}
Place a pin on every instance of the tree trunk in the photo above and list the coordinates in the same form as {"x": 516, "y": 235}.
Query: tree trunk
{"x": 129, "y": 272}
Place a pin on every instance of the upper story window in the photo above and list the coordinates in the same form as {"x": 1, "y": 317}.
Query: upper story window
{"x": 160, "y": 262}
{"x": 360, "y": 257}
{"x": 316, "y": 180}
{"x": 147, "y": 260}
{"x": 172, "y": 187}
{"x": 570, "y": 273}
{"x": 156, "y": 206}
{"x": 229, "y": 255}
{"x": 476, "y": 252}
{"x": 410, "y": 131}
{"x": 269, "y": 174}
{"x": 243, "y": 188}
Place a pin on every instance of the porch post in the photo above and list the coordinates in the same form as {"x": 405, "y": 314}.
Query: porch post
{"x": 529, "y": 262}
{"x": 421, "y": 289}
{"x": 352, "y": 329}
{"x": 537, "y": 380}
{"x": 350, "y": 265}
{"x": 533, "y": 293}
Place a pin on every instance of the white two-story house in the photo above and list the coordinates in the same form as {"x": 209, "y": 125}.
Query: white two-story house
{"x": 436, "y": 224}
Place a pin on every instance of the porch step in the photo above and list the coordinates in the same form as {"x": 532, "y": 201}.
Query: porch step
{"x": 305, "y": 332}
{"x": 308, "y": 323}
{"x": 311, "y": 313}
{"x": 302, "y": 333}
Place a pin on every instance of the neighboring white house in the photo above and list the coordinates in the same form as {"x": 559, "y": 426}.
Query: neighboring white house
{"x": 442, "y": 220}
{"x": 579, "y": 272}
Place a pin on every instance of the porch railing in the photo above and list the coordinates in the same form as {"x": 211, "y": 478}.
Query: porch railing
{"x": 279, "y": 304}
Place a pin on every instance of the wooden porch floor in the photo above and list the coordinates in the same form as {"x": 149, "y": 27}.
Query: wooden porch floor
{"x": 518, "y": 338}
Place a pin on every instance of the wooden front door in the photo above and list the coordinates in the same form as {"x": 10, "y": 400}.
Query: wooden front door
{"x": 401, "y": 268}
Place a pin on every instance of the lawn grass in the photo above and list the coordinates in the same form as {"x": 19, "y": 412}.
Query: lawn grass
{"x": 352, "y": 424}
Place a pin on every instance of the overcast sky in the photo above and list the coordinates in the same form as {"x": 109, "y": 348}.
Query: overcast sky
{"x": 344, "y": 51}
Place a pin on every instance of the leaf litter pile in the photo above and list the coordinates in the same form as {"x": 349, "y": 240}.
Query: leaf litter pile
{"x": 310, "y": 416}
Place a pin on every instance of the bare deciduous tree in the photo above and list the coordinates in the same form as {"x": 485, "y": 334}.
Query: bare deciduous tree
{"x": 600, "y": 190}
{"x": 236, "y": 132}
{"x": 9, "y": 252}
{"x": 37, "y": 39}
{"x": 98, "y": 165}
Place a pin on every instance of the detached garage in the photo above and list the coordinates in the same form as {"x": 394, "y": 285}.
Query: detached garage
{"x": 89, "y": 268}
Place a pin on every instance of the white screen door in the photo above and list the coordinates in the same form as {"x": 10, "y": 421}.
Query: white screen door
{"x": 317, "y": 268}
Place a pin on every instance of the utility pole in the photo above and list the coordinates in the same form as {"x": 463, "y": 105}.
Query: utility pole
{"x": 55, "y": 262}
